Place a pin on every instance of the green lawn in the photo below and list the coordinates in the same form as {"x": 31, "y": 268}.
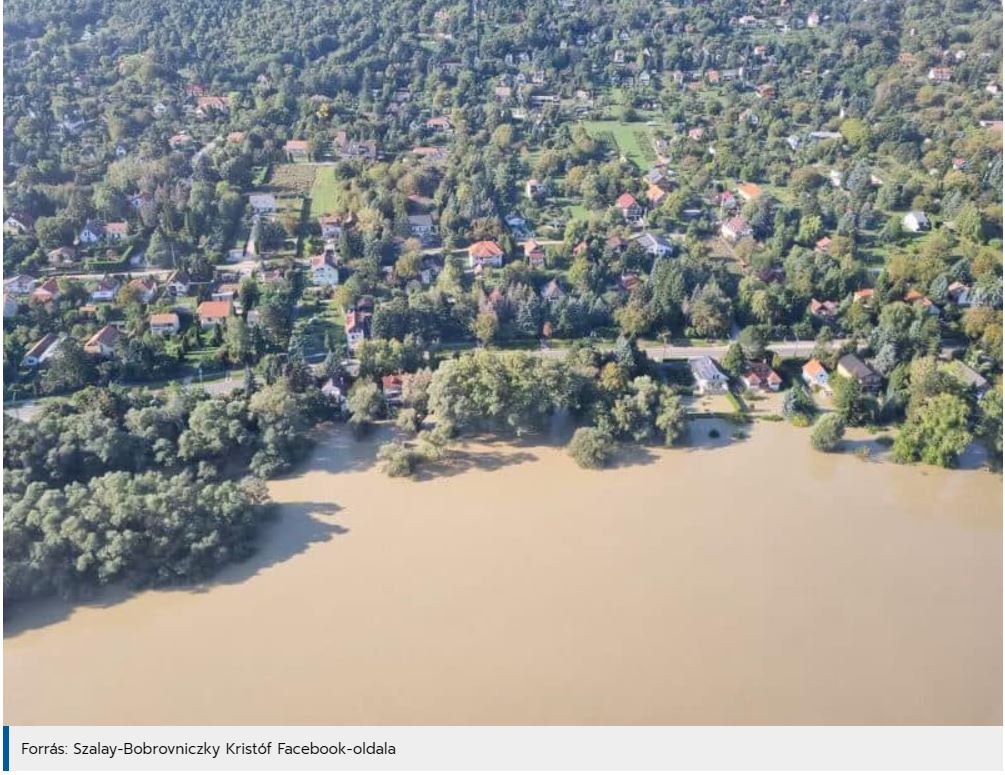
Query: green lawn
{"x": 633, "y": 140}
{"x": 323, "y": 192}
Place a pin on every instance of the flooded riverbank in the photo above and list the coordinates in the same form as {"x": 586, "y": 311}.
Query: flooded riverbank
{"x": 739, "y": 582}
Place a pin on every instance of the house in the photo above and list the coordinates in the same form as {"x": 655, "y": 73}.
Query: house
{"x": 629, "y": 281}
{"x": 332, "y": 226}
{"x": 654, "y": 244}
{"x": 852, "y": 367}
{"x": 824, "y": 310}
{"x": 146, "y": 288}
{"x": 226, "y": 292}
{"x": 656, "y": 194}
{"x": 19, "y": 223}
{"x": 765, "y": 91}
{"x": 749, "y": 191}
{"x": 180, "y": 140}
{"x": 760, "y": 377}
{"x": 10, "y": 305}
{"x": 536, "y": 188}
{"x": 916, "y": 221}
{"x": 974, "y": 381}
{"x": 19, "y": 285}
{"x": 630, "y": 209}
{"x": 422, "y": 226}
{"x": 42, "y": 350}
{"x": 93, "y": 231}
{"x": 736, "y": 229}
{"x": 105, "y": 289}
{"x": 429, "y": 152}
{"x": 116, "y": 231}
{"x": 297, "y": 150}
{"x": 165, "y": 323}
{"x": 516, "y": 223}
{"x": 47, "y": 291}
{"x": 696, "y": 133}
{"x": 262, "y": 204}
{"x": 485, "y": 252}
{"x": 940, "y": 75}
{"x": 813, "y": 19}
{"x": 214, "y": 313}
{"x": 210, "y": 105}
{"x": 552, "y": 292}
{"x": 324, "y": 272}
{"x": 960, "y": 164}
{"x": 959, "y": 294}
{"x": 103, "y": 343}
{"x": 235, "y": 138}
{"x": 534, "y": 252}
{"x": 354, "y": 149}
{"x": 440, "y": 124}
{"x": 864, "y": 296}
{"x": 707, "y": 376}
{"x": 357, "y": 327}
{"x": 815, "y": 375}
{"x": 915, "y": 296}
{"x": 63, "y": 256}
{"x": 391, "y": 385}
{"x": 178, "y": 283}
{"x": 823, "y": 245}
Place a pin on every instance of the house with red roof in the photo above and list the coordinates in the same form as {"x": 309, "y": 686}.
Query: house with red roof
{"x": 761, "y": 377}
{"x": 103, "y": 343}
{"x": 629, "y": 206}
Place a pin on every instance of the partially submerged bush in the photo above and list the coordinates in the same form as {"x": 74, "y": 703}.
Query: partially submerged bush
{"x": 591, "y": 448}
{"x": 827, "y": 433}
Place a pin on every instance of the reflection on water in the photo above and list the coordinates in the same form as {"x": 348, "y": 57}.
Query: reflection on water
{"x": 733, "y": 581}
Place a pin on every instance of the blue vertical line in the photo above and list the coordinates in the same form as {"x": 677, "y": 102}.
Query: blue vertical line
{"x": 6, "y": 748}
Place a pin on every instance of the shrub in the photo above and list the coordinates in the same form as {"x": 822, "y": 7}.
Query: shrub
{"x": 827, "y": 433}
{"x": 591, "y": 448}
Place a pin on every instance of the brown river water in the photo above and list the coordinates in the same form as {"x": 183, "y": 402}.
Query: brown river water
{"x": 736, "y": 582}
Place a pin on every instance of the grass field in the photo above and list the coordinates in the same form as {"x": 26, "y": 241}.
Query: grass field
{"x": 632, "y": 140}
{"x": 323, "y": 192}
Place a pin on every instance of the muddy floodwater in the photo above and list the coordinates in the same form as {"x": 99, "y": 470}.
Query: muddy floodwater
{"x": 740, "y": 582}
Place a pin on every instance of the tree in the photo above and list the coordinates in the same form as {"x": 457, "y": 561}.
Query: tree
{"x": 849, "y": 402}
{"x": 485, "y": 327}
{"x": 734, "y": 361}
{"x": 937, "y": 433}
{"x": 591, "y": 448}
{"x": 827, "y": 433}
{"x": 365, "y": 404}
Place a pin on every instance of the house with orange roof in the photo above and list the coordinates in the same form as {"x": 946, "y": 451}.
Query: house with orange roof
{"x": 165, "y": 323}
{"x": 214, "y": 313}
{"x": 815, "y": 375}
{"x": 533, "y": 251}
{"x": 485, "y": 252}
{"x": 749, "y": 191}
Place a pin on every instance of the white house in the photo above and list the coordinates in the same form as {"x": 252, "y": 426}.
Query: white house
{"x": 323, "y": 270}
{"x": 707, "y": 376}
{"x": 42, "y": 350}
{"x": 815, "y": 375}
{"x": 262, "y": 204}
{"x": 654, "y": 244}
{"x": 164, "y": 323}
{"x": 105, "y": 290}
